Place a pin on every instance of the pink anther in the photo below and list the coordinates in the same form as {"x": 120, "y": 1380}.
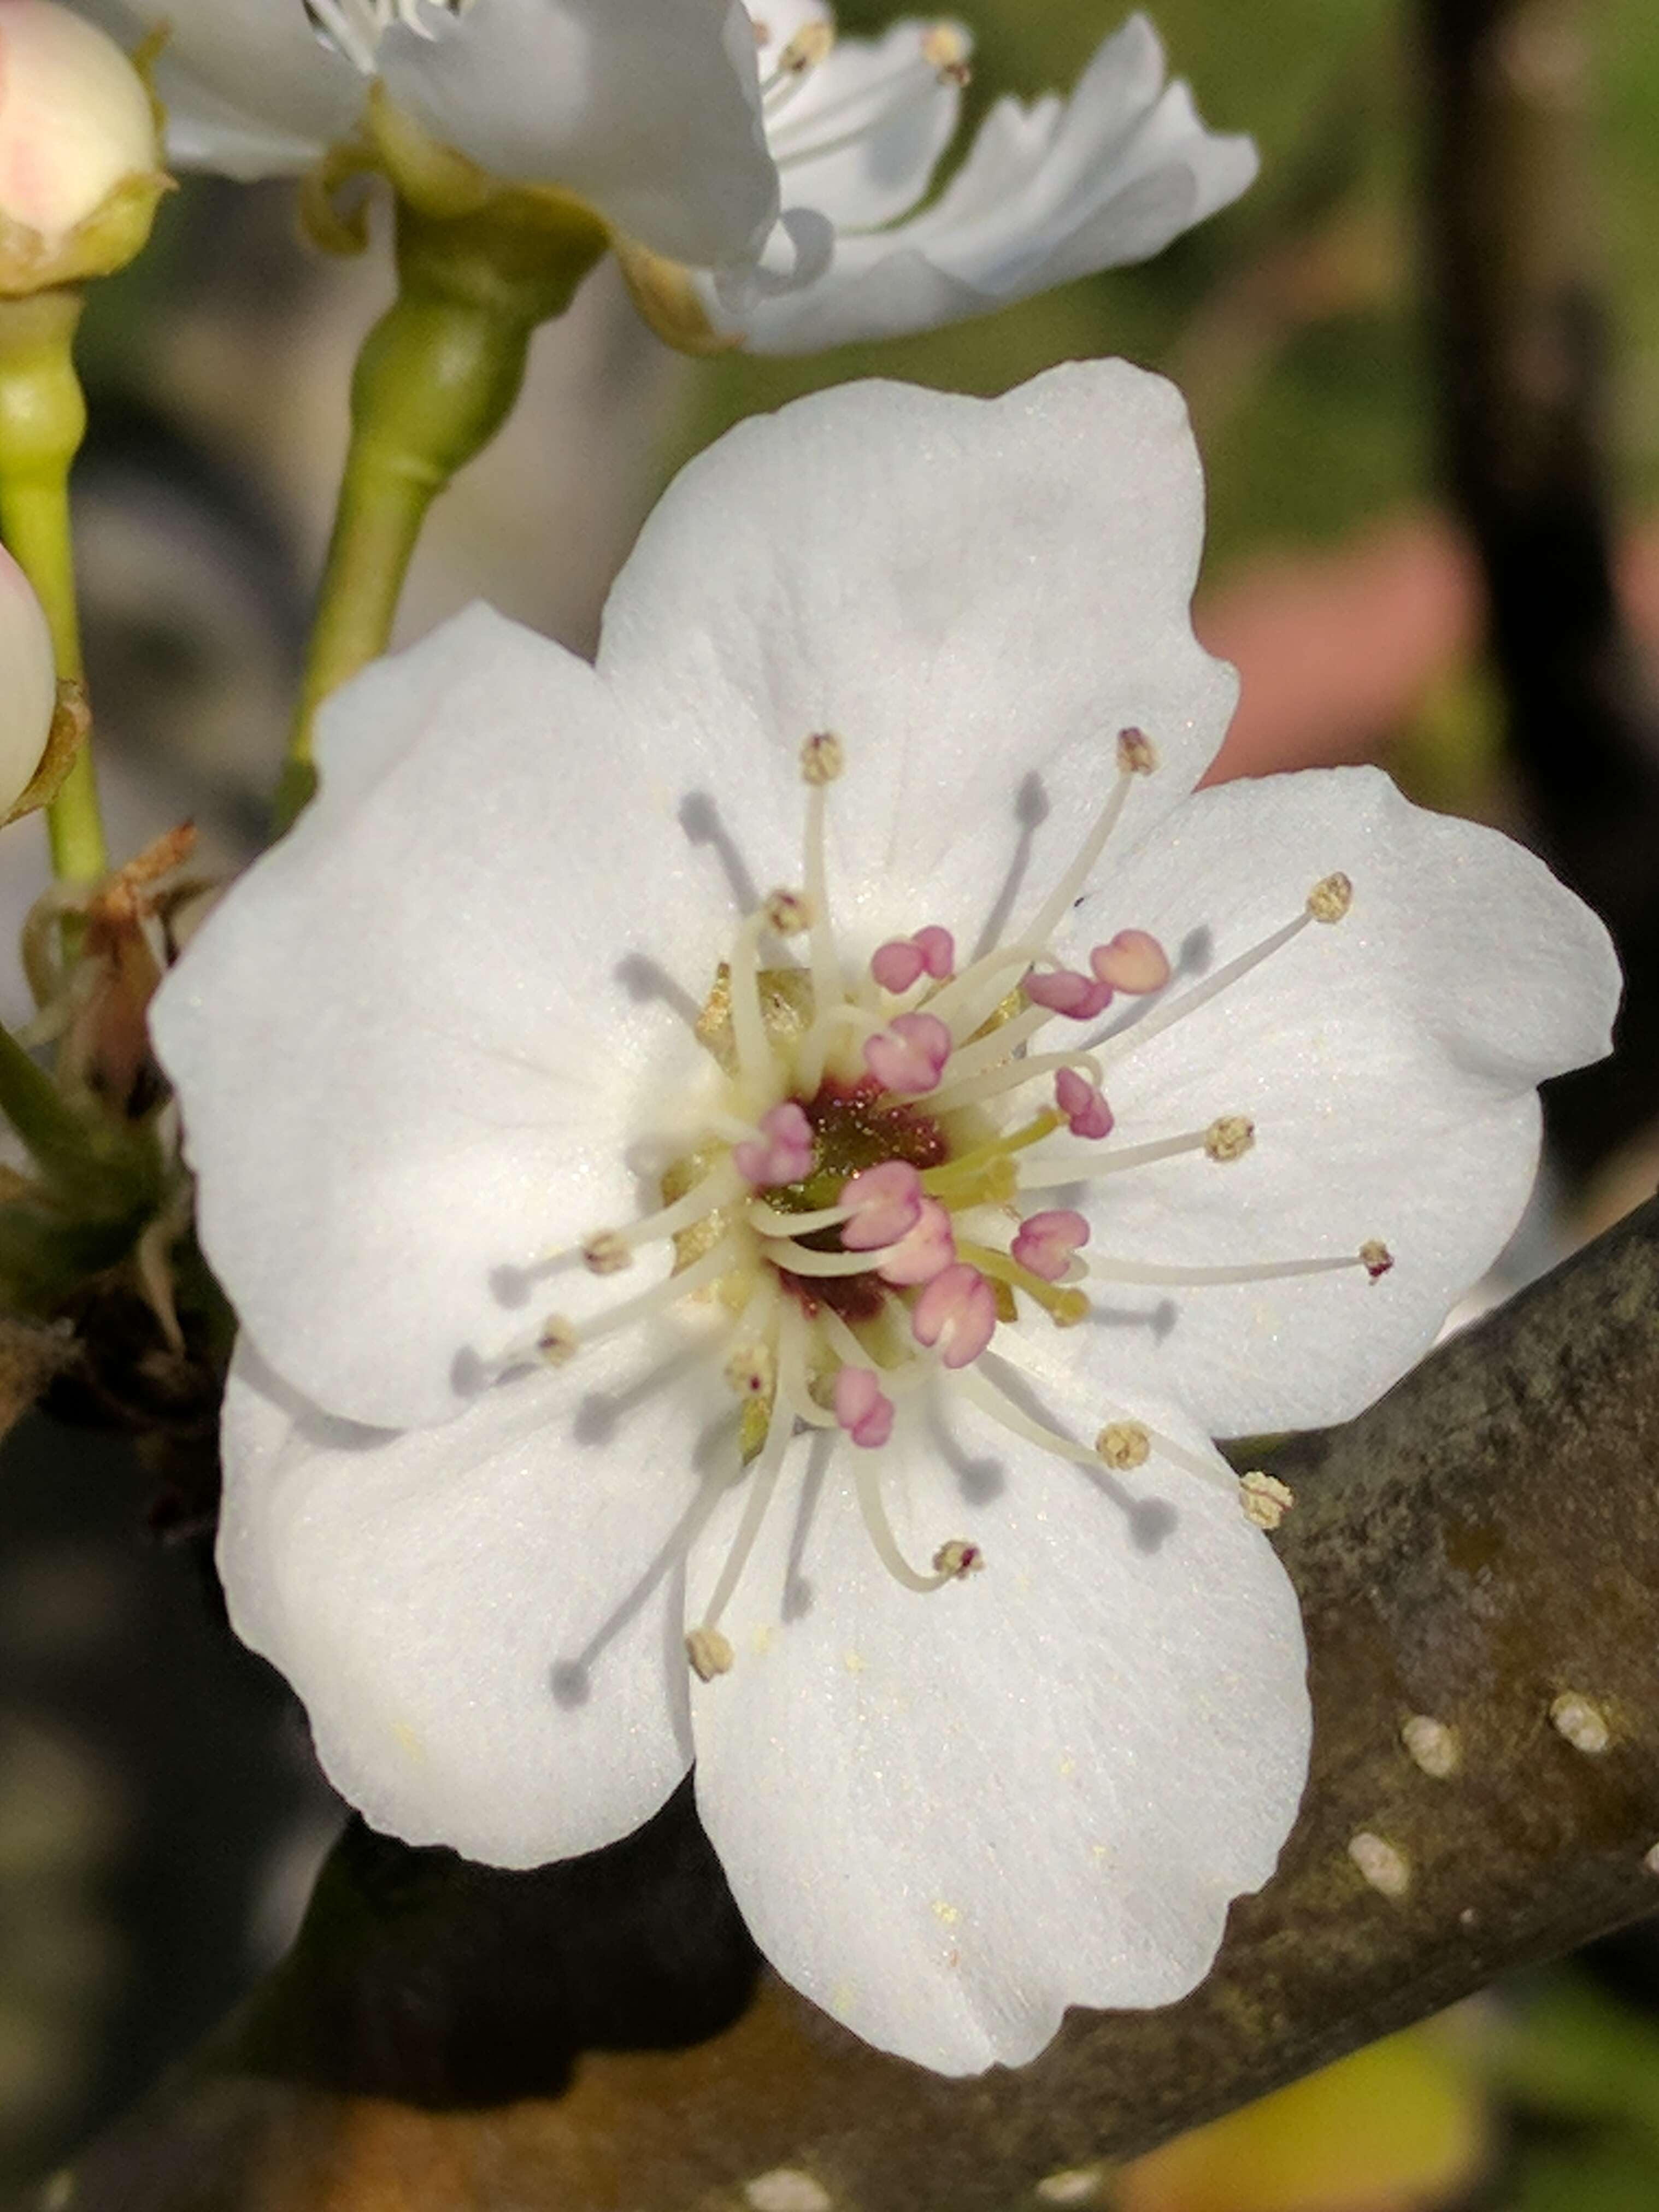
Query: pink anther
{"x": 897, "y": 964}
{"x": 1063, "y": 990}
{"x": 926, "y": 1251}
{"x": 938, "y": 949}
{"x": 1132, "y": 962}
{"x": 886, "y": 1203}
{"x": 909, "y": 1056}
{"x": 863, "y": 1407}
{"x": 1046, "y": 1241}
{"x": 956, "y": 1315}
{"x": 1087, "y": 1114}
{"x": 782, "y": 1152}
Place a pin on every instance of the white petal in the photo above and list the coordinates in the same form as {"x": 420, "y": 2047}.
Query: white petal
{"x": 975, "y": 595}
{"x": 947, "y": 1817}
{"x": 1045, "y": 195}
{"x": 1388, "y": 1061}
{"x": 870, "y": 170}
{"x": 469, "y": 1613}
{"x": 248, "y": 85}
{"x": 649, "y": 111}
{"x": 443, "y": 964}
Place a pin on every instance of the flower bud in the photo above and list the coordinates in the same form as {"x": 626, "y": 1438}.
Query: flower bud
{"x": 28, "y": 683}
{"x": 79, "y": 156}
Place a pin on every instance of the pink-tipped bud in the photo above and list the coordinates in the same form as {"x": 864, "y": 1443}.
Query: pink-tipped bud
{"x": 75, "y": 120}
{"x": 1087, "y": 1114}
{"x": 925, "y": 1251}
{"x": 938, "y": 949}
{"x": 1132, "y": 962}
{"x": 28, "y": 683}
{"x": 956, "y": 1315}
{"x": 897, "y": 964}
{"x": 886, "y": 1203}
{"x": 863, "y": 1409}
{"x": 1046, "y": 1241}
{"x": 908, "y": 1057}
{"x": 1063, "y": 990}
{"x": 782, "y": 1152}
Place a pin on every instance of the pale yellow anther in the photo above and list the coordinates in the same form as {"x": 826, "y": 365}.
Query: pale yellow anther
{"x": 1265, "y": 1499}
{"x": 1431, "y": 1745}
{"x": 1067, "y": 1308}
{"x": 810, "y": 46}
{"x": 946, "y": 50}
{"x": 606, "y": 1252}
{"x": 822, "y": 759}
{"x": 752, "y": 1371}
{"x": 710, "y": 1652}
{"x": 1136, "y": 753}
{"x": 1228, "y": 1137}
{"x": 1124, "y": 1444}
{"x": 1375, "y": 1258}
{"x": 1582, "y": 1722}
{"x": 788, "y": 913}
{"x": 556, "y": 1340}
{"x": 1330, "y": 898}
{"x": 958, "y": 1559}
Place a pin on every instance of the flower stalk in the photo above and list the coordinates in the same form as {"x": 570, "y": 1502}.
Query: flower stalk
{"x": 43, "y": 419}
{"x": 437, "y": 377}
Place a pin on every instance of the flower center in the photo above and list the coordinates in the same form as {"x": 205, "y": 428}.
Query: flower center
{"x": 865, "y": 1204}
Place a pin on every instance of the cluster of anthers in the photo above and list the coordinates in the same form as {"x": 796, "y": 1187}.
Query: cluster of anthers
{"x": 866, "y": 1202}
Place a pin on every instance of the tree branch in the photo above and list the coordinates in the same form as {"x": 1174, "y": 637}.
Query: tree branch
{"x": 1482, "y": 1544}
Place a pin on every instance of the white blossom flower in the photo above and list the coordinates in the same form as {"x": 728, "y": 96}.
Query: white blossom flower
{"x": 76, "y": 122}
{"x": 781, "y": 1149}
{"x": 649, "y": 112}
{"x": 761, "y": 177}
{"x": 1047, "y": 192}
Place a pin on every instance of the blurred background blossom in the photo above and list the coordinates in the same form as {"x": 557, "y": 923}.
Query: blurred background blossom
{"x": 160, "y": 1817}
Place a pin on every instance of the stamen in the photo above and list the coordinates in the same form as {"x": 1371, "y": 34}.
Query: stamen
{"x": 955, "y": 1561}
{"x": 822, "y": 760}
{"x": 1136, "y": 753}
{"x": 944, "y": 49}
{"x": 791, "y": 143}
{"x": 555, "y": 1341}
{"x": 1328, "y": 902}
{"x": 883, "y": 1204}
{"x": 956, "y": 1555}
{"x": 1046, "y": 1241}
{"x": 1084, "y": 1105}
{"x": 956, "y": 1315}
{"x": 903, "y": 961}
{"x": 710, "y": 1653}
{"x": 1265, "y": 1499}
{"x": 1133, "y": 963}
{"x": 1065, "y": 1307}
{"x": 807, "y": 50}
{"x": 938, "y": 949}
{"x": 1227, "y": 1137}
{"x": 1135, "y": 756}
{"x": 761, "y": 1483}
{"x": 968, "y": 1167}
{"x": 782, "y": 1152}
{"x": 1376, "y": 1259}
{"x": 924, "y": 1253}
{"x": 909, "y": 1056}
{"x": 1063, "y": 990}
{"x": 981, "y": 1391}
{"x": 863, "y": 1409}
{"x": 1014, "y": 1075}
{"x": 607, "y": 1251}
{"x": 1124, "y": 1444}
{"x": 788, "y": 913}
{"x": 570, "y": 1336}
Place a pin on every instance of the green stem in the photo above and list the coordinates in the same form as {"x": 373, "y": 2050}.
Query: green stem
{"x": 43, "y": 419}
{"x": 436, "y": 379}
{"x": 103, "y": 1170}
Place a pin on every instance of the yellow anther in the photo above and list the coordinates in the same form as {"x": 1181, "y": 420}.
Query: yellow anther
{"x": 1124, "y": 1444}
{"x": 606, "y": 1253}
{"x": 1265, "y": 1499}
{"x": 958, "y": 1559}
{"x": 1330, "y": 898}
{"x": 822, "y": 759}
{"x": 946, "y": 50}
{"x": 1136, "y": 753}
{"x": 810, "y": 46}
{"x": 752, "y": 1371}
{"x": 710, "y": 1652}
{"x": 1067, "y": 1308}
{"x": 788, "y": 913}
{"x": 1229, "y": 1137}
{"x": 555, "y": 1341}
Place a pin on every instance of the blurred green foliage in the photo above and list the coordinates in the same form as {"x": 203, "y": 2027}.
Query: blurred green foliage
{"x": 1292, "y": 320}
